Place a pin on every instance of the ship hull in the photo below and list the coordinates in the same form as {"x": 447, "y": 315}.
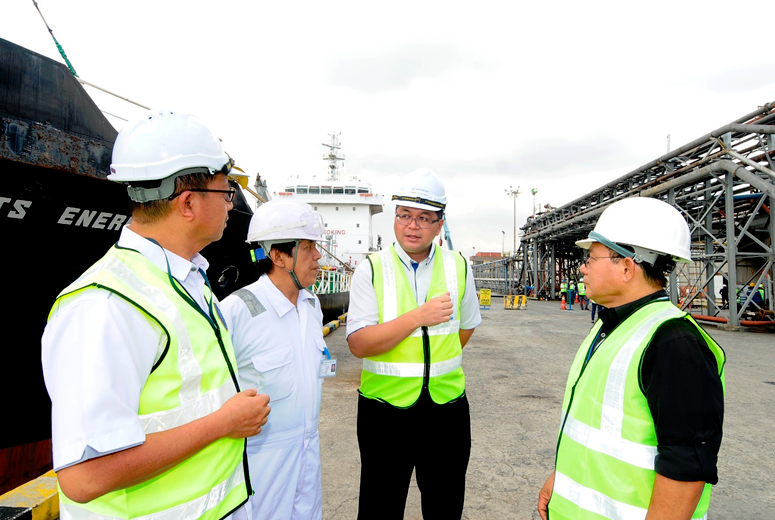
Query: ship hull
{"x": 334, "y": 305}
{"x": 58, "y": 215}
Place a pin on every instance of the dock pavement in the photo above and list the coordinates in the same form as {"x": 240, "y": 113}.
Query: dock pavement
{"x": 516, "y": 365}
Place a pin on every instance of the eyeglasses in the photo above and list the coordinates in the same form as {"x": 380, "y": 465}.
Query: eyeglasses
{"x": 229, "y": 194}
{"x": 589, "y": 259}
{"x": 421, "y": 222}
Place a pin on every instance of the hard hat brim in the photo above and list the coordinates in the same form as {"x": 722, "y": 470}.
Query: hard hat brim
{"x": 586, "y": 243}
{"x": 417, "y": 205}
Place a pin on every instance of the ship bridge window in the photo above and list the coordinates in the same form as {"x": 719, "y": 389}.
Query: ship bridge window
{"x": 361, "y": 189}
{"x": 314, "y": 190}
{"x": 301, "y": 189}
{"x": 325, "y": 190}
{"x": 349, "y": 190}
{"x": 290, "y": 189}
{"x": 338, "y": 190}
{"x": 353, "y": 208}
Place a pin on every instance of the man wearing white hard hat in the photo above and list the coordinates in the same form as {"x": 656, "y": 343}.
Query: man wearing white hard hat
{"x": 413, "y": 308}
{"x": 277, "y": 331}
{"x": 644, "y": 403}
{"x": 147, "y": 415}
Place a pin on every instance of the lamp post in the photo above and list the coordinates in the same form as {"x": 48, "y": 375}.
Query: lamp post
{"x": 511, "y": 192}
{"x": 473, "y": 254}
{"x": 534, "y": 191}
{"x": 503, "y": 245}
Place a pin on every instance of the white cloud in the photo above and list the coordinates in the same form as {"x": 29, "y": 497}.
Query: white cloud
{"x": 561, "y": 96}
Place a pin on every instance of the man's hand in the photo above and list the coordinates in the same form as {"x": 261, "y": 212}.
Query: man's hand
{"x": 241, "y": 416}
{"x": 544, "y": 495}
{"x": 378, "y": 339}
{"x": 436, "y": 310}
{"x": 245, "y": 413}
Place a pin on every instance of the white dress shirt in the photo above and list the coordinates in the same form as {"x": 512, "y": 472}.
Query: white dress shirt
{"x": 97, "y": 353}
{"x": 363, "y": 310}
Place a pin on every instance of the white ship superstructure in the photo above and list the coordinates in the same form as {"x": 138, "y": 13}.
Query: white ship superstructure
{"x": 346, "y": 203}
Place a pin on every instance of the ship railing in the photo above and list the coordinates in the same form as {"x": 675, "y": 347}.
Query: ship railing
{"x": 331, "y": 281}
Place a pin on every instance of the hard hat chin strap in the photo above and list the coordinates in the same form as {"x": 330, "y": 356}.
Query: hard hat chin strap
{"x": 292, "y": 271}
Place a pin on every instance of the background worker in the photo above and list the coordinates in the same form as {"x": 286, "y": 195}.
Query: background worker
{"x": 571, "y": 294}
{"x": 583, "y": 300}
{"x": 757, "y": 302}
{"x": 277, "y": 330}
{"x": 146, "y": 415}
{"x": 564, "y": 290}
{"x": 643, "y": 407}
{"x": 724, "y": 293}
{"x": 413, "y": 308}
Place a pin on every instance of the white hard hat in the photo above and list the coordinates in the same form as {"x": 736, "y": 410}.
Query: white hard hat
{"x": 279, "y": 221}
{"x": 162, "y": 143}
{"x": 650, "y": 226}
{"x": 422, "y": 189}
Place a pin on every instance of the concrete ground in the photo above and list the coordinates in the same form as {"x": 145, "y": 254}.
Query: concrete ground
{"x": 516, "y": 365}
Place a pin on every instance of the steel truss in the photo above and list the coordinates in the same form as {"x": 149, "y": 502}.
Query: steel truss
{"x": 724, "y": 185}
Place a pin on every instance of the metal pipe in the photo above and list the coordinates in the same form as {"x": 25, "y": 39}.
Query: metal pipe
{"x": 724, "y": 165}
{"x": 721, "y": 319}
{"x": 751, "y": 163}
{"x": 735, "y": 126}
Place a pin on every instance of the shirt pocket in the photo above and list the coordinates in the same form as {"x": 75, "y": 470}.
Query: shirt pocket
{"x": 320, "y": 355}
{"x": 275, "y": 373}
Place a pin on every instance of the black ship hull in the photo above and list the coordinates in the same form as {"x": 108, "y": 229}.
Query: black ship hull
{"x": 59, "y": 214}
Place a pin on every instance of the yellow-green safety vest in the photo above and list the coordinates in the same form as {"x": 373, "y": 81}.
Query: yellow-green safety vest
{"x": 582, "y": 289}
{"x": 193, "y": 378}
{"x": 607, "y": 443}
{"x": 430, "y": 358}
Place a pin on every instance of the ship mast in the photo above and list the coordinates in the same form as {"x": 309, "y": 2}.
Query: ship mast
{"x": 333, "y": 157}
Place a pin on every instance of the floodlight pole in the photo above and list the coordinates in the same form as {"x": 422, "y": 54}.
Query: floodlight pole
{"x": 511, "y": 192}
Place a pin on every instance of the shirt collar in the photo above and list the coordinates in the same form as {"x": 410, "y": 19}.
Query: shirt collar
{"x": 613, "y": 316}
{"x": 180, "y": 268}
{"x": 404, "y": 257}
{"x": 277, "y": 299}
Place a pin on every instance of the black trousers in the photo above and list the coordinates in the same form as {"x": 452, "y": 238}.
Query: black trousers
{"x": 432, "y": 439}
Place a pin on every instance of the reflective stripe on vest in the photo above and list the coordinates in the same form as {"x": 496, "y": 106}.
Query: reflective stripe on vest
{"x": 609, "y": 443}
{"x": 205, "y": 404}
{"x": 194, "y": 509}
{"x": 191, "y": 380}
{"x": 597, "y": 502}
{"x": 625, "y": 437}
{"x": 412, "y": 369}
{"x": 397, "y": 376}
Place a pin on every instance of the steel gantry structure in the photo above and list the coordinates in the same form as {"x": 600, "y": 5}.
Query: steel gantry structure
{"x": 724, "y": 185}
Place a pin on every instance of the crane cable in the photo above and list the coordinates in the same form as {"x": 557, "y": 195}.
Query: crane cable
{"x": 61, "y": 50}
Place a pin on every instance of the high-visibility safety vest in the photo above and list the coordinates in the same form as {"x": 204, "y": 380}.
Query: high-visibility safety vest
{"x": 430, "y": 358}
{"x": 607, "y": 443}
{"x": 563, "y": 287}
{"x": 572, "y": 287}
{"x": 582, "y": 289}
{"x": 193, "y": 378}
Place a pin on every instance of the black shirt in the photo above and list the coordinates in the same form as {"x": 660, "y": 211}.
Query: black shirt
{"x": 679, "y": 378}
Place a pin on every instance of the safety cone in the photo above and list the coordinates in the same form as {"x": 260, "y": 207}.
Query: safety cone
{"x": 577, "y": 298}
{"x": 563, "y": 307}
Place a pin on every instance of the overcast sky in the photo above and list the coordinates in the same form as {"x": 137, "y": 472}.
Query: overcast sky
{"x": 557, "y": 96}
